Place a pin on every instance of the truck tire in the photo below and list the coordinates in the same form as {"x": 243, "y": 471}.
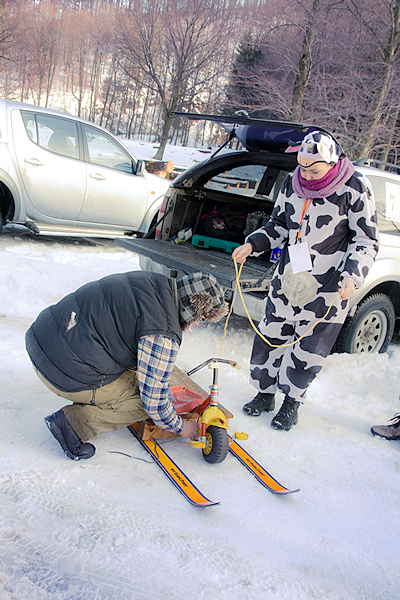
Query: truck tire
{"x": 371, "y": 327}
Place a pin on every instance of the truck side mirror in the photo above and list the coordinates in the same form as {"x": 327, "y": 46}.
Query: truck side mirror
{"x": 140, "y": 167}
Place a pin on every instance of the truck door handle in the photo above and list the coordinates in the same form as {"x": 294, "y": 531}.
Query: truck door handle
{"x": 33, "y": 161}
{"x": 97, "y": 176}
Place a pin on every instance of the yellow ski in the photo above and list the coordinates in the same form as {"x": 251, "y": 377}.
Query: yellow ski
{"x": 173, "y": 472}
{"x": 258, "y": 471}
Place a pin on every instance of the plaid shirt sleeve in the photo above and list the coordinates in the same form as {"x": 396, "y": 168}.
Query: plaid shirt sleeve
{"x": 156, "y": 357}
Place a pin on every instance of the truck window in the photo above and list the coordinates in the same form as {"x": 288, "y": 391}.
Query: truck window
{"x": 105, "y": 152}
{"x": 52, "y": 133}
{"x": 387, "y": 200}
{"x": 30, "y": 126}
{"x": 249, "y": 180}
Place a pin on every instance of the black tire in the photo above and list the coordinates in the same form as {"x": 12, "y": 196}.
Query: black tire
{"x": 217, "y": 444}
{"x": 370, "y": 329}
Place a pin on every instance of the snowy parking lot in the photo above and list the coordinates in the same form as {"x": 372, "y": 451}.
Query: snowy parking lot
{"x": 114, "y": 527}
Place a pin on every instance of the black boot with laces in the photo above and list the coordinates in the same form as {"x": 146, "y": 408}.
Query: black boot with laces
{"x": 261, "y": 402}
{"x": 287, "y": 415}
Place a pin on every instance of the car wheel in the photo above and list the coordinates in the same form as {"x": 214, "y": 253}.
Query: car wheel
{"x": 371, "y": 327}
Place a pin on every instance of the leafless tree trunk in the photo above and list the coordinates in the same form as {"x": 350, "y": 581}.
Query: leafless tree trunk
{"x": 305, "y": 61}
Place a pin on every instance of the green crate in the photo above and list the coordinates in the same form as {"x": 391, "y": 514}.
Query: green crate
{"x": 203, "y": 241}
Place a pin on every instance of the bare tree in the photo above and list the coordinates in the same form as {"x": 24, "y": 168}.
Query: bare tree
{"x": 86, "y": 51}
{"x": 171, "y": 46}
{"x": 381, "y": 19}
{"x": 321, "y": 64}
{"x": 309, "y": 32}
{"x": 6, "y": 29}
{"x": 42, "y": 43}
{"x": 275, "y": 59}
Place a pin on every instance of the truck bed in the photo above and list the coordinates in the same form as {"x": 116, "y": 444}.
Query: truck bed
{"x": 255, "y": 276}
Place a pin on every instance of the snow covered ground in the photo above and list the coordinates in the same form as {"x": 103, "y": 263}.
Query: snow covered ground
{"x": 114, "y": 527}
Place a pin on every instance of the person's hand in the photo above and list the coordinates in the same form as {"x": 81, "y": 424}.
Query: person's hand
{"x": 190, "y": 430}
{"x": 347, "y": 289}
{"x": 242, "y": 252}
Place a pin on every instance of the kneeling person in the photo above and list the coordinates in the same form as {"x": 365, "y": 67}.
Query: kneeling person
{"x": 109, "y": 348}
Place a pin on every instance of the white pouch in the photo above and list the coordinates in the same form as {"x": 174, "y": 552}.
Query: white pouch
{"x": 299, "y": 288}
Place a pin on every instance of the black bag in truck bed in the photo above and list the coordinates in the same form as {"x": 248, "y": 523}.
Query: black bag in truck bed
{"x": 185, "y": 258}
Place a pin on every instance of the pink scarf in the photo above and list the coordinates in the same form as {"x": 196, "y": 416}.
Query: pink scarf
{"x": 327, "y": 185}
{"x": 318, "y": 184}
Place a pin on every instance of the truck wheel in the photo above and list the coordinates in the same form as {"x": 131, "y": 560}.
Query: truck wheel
{"x": 371, "y": 327}
{"x": 217, "y": 444}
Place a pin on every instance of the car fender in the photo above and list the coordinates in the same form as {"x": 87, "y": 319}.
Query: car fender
{"x": 150, "y": 214}
{"x": 158, "y": 187}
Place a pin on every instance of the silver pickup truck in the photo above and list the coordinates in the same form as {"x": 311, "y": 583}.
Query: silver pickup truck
{"x": 61, "y": 175}
{"x": 214, "y": 204}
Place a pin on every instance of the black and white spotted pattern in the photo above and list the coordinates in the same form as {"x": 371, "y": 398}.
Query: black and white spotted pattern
{"x": 342, "y": 236}
{"x": 318, "y": 146}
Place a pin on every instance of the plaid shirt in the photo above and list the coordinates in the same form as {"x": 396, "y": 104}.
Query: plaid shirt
{"x": 156, "y": 357}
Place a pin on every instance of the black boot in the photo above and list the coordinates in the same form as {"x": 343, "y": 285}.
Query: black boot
{"x": 66, "y": 436}
{"x": 287, "y": 415}
{"x": 259, "y": 403}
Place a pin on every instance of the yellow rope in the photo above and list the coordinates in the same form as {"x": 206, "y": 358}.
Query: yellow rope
{"x": 237, "y": 287}
{"x": 230, "y": 312}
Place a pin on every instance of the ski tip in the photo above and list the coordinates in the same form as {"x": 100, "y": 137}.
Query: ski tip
{"x": 269, "y": 482}
{"x": 205, "y": 504}
{"x": 284, "y": 492}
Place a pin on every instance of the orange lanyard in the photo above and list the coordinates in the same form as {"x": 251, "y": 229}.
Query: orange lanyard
{"x": 307, "y": 203}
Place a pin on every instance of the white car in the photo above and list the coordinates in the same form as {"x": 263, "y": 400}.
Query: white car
{"x": 62, "y": 175}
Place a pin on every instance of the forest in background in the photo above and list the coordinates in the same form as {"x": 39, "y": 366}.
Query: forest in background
{"x": 128, "y": 64}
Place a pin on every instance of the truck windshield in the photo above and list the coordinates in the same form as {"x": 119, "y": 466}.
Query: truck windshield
{"x": 249, "y": 180}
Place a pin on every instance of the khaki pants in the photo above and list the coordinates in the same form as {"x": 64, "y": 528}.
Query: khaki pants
{"x": 111, "y": 407}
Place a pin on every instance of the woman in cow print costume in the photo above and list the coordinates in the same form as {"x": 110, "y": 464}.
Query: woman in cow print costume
{"x": 325, "y": 219}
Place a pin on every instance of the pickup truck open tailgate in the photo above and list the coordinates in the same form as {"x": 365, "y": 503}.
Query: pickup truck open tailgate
{"x": 255, "y": 276}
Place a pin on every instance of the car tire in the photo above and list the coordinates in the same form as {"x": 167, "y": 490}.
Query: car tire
{"x": 370, "y": 329}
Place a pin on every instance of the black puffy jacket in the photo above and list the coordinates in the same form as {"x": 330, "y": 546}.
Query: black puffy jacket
{"x": 90, "y": 337}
